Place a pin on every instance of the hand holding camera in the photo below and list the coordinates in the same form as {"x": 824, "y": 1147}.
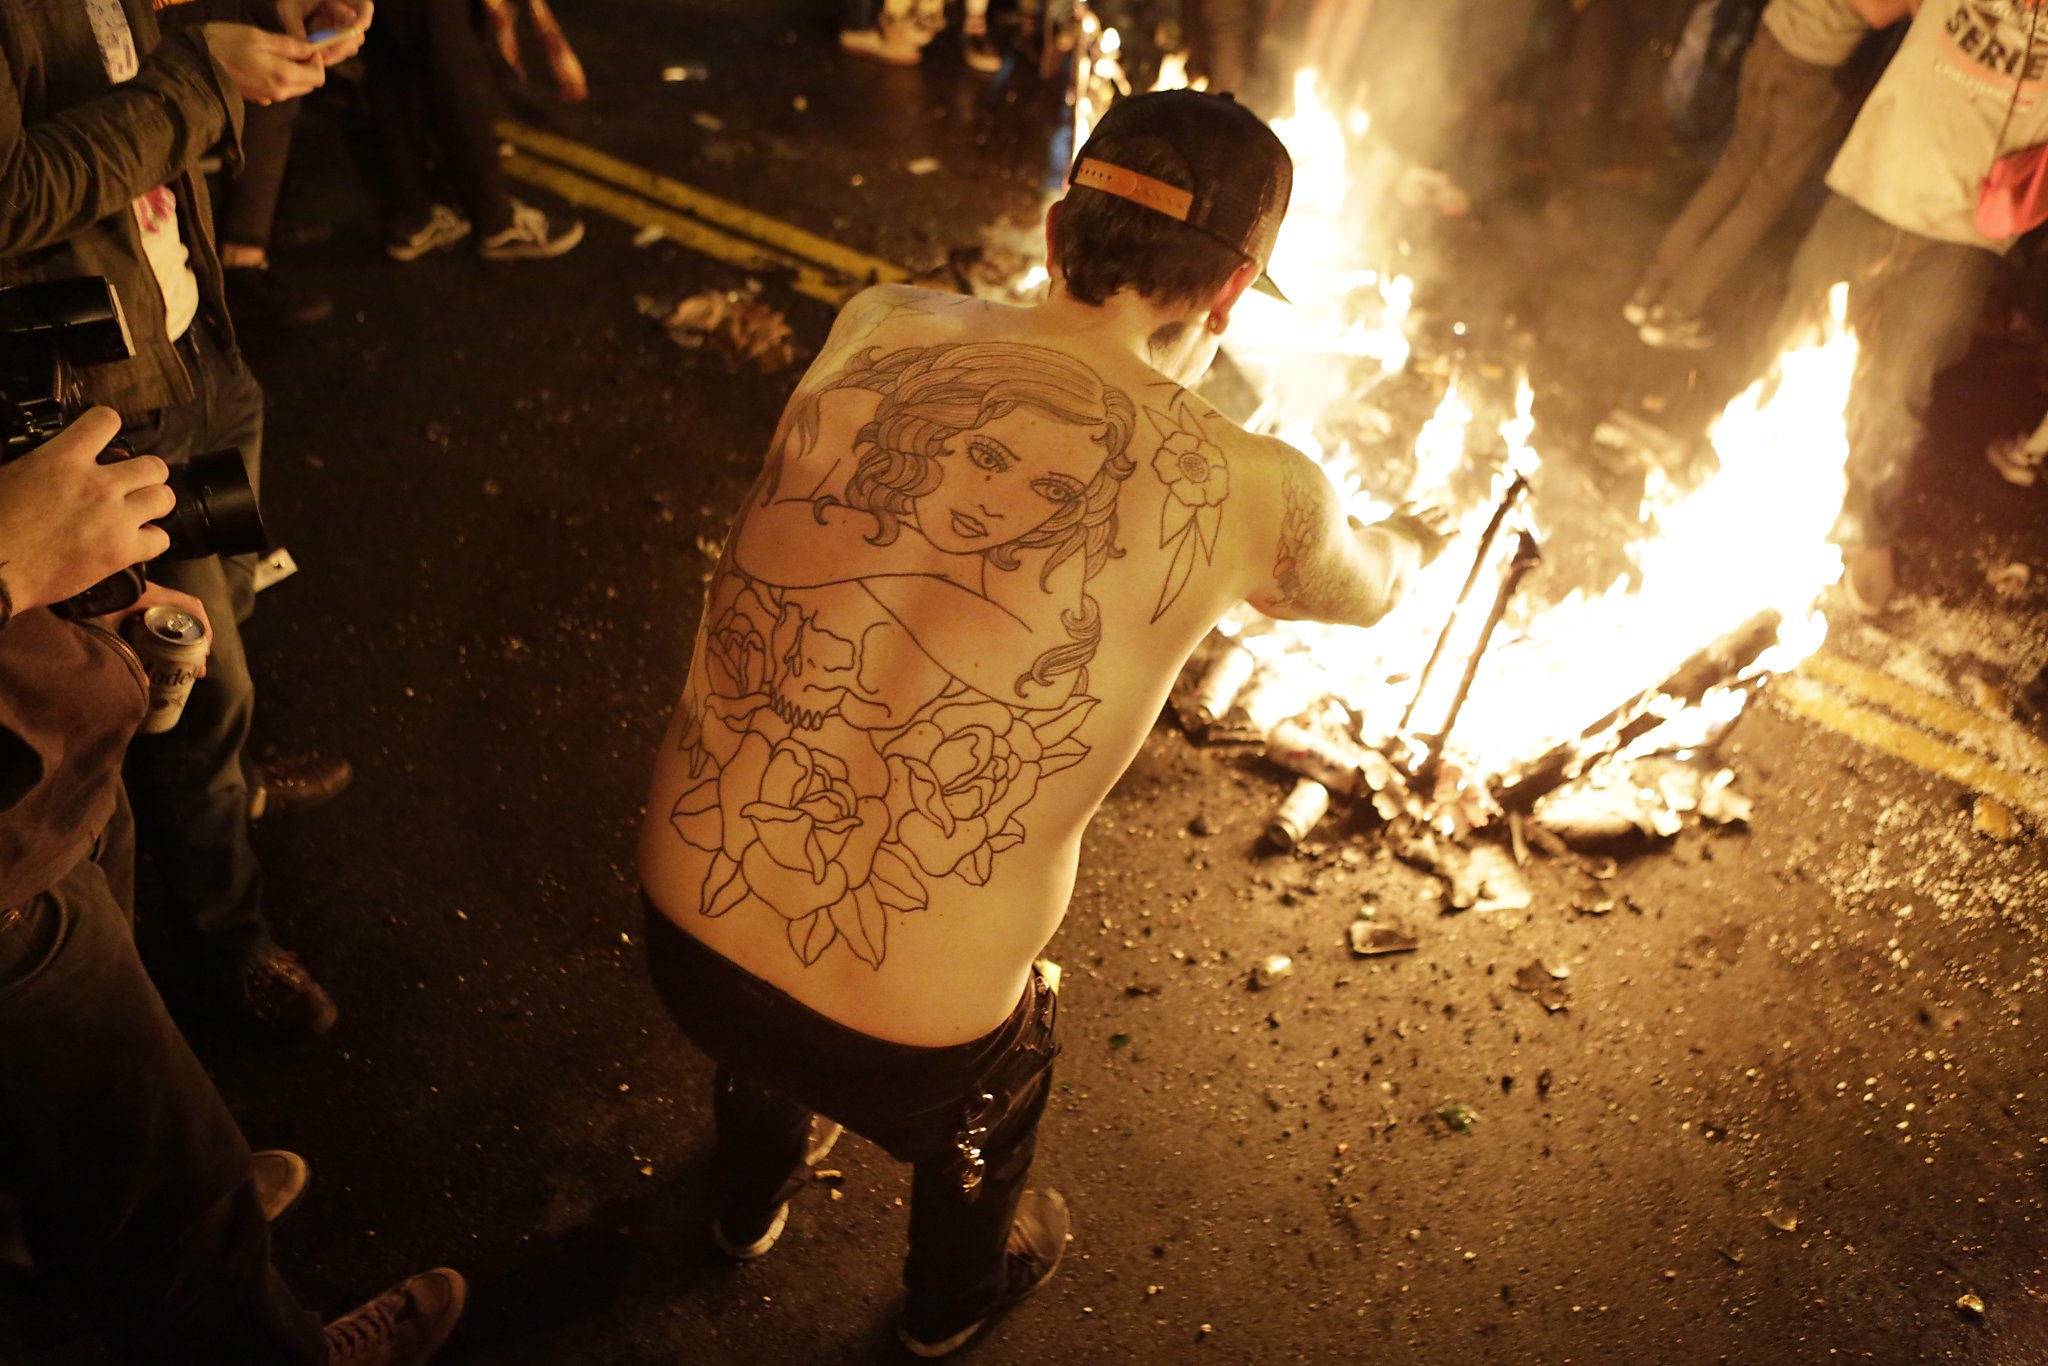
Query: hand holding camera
{"x": 67, "y": 521}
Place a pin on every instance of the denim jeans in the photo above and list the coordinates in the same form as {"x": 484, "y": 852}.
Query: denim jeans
{"x": 190, "y": 791}
{"x": 780, "y": 1062}
{"x": 1913, "y": 303}
{"x": 131, "y": 1178}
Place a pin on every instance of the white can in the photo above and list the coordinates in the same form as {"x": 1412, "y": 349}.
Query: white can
{"x": 171, "y": 643}
{"x": 1306, "y": 805}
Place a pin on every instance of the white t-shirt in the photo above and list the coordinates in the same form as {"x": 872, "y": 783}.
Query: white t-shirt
{"x": 1819, "y": 32}
{"x": 156, "y": 212}
{"x": 1932, "y": 127}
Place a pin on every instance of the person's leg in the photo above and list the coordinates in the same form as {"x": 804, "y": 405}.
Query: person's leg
{"x": 393, "y": 56}
{"x": 1800, "y": 105}
{"x": 758, "y": 1160}
{"x": 190, "y": 789}
{"x": 1920, "y": 323}
{"x": 955, "y": 1273}
{"x": 249, "y": 204}
{"x": 460, "y": 95}
{"x": 1733, "y": 173}
{"x": 133, "y": 1180}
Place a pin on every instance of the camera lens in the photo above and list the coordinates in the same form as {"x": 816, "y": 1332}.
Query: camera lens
{"x": 216, "y": 512}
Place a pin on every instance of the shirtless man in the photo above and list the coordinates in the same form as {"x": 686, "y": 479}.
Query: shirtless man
{"x": 985, "y": 541}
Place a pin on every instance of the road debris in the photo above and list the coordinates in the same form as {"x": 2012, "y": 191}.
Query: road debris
{"x": 1459, "y": 1118}
{"x": 2009, "y": 580}
{"x": 649, "y": 235}
{"x": 1271, "y": 970}
{"x": 1783, "y": 1220}
{"x": 1373, "y": 941}
{"x": 686, "y": 71}
{"x": 1548, "y": 986}
{"x": 923, "y": 166}
{"x": 1969, "y": 1303}
{"x": 737, "y": 321}
{"x": 1305, "y": 806}
{"x": 1994, "y": 819}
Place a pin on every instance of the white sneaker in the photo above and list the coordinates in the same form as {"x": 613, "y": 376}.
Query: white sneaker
{"x": 867, "y": 42}
{"x": 531, "y": 237}
{"x": 444, "y": 228}
{"x": 824, "y": 1134}
{"x": 2015, "y": 459}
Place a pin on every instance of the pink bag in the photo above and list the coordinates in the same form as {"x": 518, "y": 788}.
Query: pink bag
{"x": 2013, "y": 196}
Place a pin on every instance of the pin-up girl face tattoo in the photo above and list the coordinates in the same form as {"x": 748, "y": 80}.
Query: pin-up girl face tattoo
{"x": 992, "y": 449}
{"x": 1004, "y": 480}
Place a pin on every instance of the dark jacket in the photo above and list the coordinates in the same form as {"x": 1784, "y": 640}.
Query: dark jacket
{"x": 70, "y": 696}
{"x": 77, "y": 150}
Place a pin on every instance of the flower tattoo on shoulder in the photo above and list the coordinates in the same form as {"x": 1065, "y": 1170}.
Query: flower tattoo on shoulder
{"x": 1197, "y": 479}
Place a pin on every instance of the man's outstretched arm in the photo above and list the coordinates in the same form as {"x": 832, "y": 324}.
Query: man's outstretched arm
{"x": 1323, "y": 568}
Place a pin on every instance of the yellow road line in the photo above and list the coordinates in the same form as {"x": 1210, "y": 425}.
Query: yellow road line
{"x": 1999, "y": 738}
{"x": 684, "y": 230}
{"x": 858, "y": 268}
{"x": 1805, "y": 698}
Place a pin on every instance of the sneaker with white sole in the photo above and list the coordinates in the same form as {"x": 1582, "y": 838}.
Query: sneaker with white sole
{"x": 2016, "y": 460}
{"x": 280, "y": 1179}
{"x": 1038, "y": 1238}
{"x": 532, "y": 236}
{"x": 1670, "y": 332}
{"x": 824, "y": 1133}
{"x": 1637, "y": 310}
{"x": 867, "y": 42}
{"x": 404, "y": 1326}
{"x": 443, "y": 229}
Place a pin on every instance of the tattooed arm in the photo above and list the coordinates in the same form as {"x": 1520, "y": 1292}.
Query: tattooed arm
{"x": 1322, "y": 568}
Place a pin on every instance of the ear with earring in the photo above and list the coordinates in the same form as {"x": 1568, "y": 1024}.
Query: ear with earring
{"x": 1216, "y": 323}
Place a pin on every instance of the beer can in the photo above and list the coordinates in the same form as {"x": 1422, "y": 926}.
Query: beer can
{"x": 1306, "y": 805}
{"x": 1335, "y": 763}
{"x": 1221, "y": 682}
{"x": 172, "y": 645}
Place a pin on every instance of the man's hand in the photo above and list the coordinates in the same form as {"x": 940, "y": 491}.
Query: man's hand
{"x": 67, "y": 522}
{"x": 265, "y": 67}
{"x": 157, "y": 595}
{"x": 299, "y": 18}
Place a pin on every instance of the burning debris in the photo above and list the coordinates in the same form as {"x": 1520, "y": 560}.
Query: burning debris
{"x": 1585, "y": 642}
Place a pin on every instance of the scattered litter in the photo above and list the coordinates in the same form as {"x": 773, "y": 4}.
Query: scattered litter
{"x": 1721, "y": 804}
{"x": 1491, "y": 882}
{"x": 738, "y": 321}
{"x": 1783, "y": 1220}
{"x": 923, "y": 166}
{"x": 1304, "y": 808}
{"x": 1274, "y": 968}
{"x": 829, "y": 1174}
{"x": 649, "y": 235}
{"x": 1734, "y": 1255}
{"x": 799, "y": 103}
{"x": 1543, "y": 1082}
{"x": 1372, "y": 941}
{"x": 1989, "y": 698}
{"x": 1971, "y": 1304}
{"x": 1119, "y": 1041}
{"x": 708, "y": 121}
{"x": 1547, "y": 985}
{"x": 1141, "y": 989}
{"x": 1994, "y": 818}
{"x": 1459, "y": 1118}
{"x": 687, "y": 71}
{"x": 2009, "y": 580}
{"x": 1202, "y": 826}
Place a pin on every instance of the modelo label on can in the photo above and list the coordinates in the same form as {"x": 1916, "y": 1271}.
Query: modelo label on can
{"x": 171, "y": 643}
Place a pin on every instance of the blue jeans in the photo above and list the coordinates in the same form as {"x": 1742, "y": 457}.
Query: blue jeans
{"x": 131, "y": 1177}
{"x": 190, "y": 791}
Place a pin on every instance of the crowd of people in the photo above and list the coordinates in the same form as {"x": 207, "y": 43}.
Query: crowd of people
{"x": 957, "y": 515}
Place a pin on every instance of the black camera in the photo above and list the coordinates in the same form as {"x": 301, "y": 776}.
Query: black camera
{"x": 48, "y": 333}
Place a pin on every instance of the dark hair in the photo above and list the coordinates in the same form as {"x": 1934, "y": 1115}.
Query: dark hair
{"x": 1104, "y": 243}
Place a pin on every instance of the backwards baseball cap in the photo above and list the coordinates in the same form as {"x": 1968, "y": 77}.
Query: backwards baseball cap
{"x": 1240, "y": 173}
